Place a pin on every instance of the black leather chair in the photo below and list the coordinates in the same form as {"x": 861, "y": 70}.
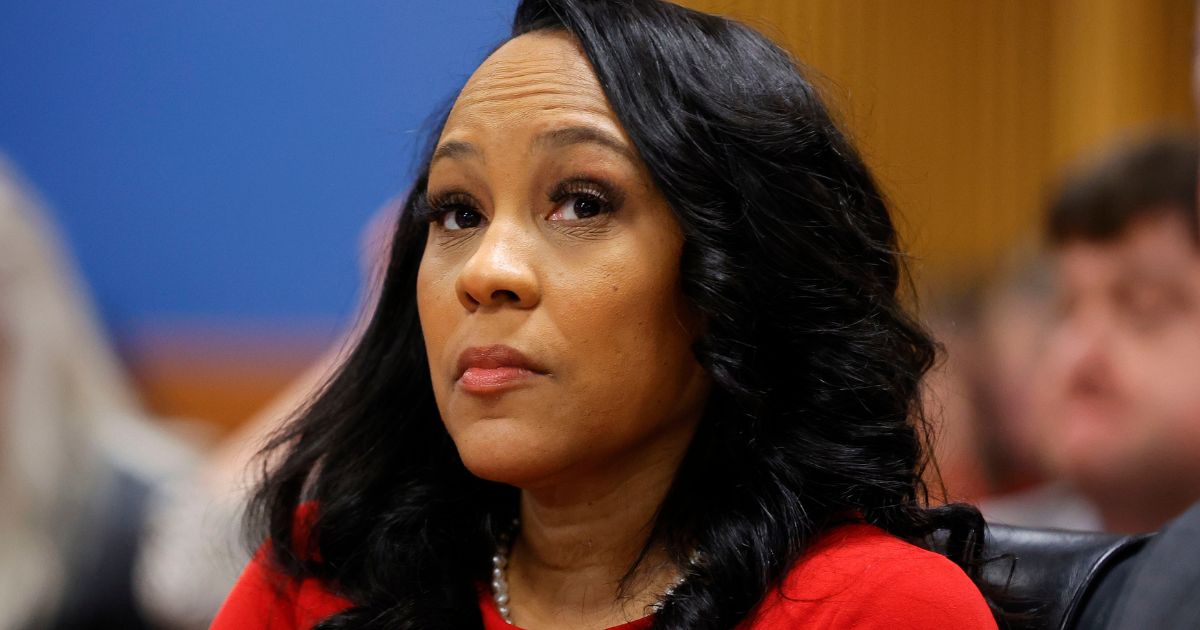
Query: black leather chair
{"x": 1047, "y": 579}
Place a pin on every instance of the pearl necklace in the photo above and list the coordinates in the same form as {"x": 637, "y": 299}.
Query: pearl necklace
{"x": 500, "y": 580}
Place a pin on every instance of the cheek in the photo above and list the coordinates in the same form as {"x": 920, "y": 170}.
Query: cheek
{"x": 630, "y": 346}
{"x": 1170, "y": 382}
{"x": 612, "y": 309}
{"x": 437, "y": 307}
{"x": 628, "y": 294}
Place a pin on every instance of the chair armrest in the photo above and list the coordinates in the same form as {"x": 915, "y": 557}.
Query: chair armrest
{"x": 1041, "y": 578}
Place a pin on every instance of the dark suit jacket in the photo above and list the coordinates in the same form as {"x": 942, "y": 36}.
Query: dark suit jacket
{"x": 1161, "y": 588}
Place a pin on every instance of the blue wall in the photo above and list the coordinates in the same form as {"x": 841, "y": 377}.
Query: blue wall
{"x": 216, "y": 160}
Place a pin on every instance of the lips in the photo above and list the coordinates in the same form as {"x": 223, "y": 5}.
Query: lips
{"x": 494, "y": 369}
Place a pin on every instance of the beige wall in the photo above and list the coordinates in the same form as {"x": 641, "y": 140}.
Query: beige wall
{"x": 968, "y": 108}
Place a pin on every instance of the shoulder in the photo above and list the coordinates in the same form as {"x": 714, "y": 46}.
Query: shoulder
{"x": 858, "y": 576}
{"x": 1160, "y": 593}
{"x": 265, "y": 597}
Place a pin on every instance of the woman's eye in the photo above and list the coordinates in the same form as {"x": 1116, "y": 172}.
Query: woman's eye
{"x": 459, "y": 218}
{"x": 577, "y": 207}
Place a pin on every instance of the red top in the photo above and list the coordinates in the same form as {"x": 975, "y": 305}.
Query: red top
{"x": 855, "y": 577}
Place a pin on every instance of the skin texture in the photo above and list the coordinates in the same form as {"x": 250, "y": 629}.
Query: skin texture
{"x": 594, "y": 438}
{"x": 1121, "y": 384}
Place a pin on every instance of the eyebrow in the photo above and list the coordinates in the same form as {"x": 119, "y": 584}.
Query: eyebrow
{"x": 555, "y": 138}
{"x": 455, "y": 150}
{"x": 568, "y": 136}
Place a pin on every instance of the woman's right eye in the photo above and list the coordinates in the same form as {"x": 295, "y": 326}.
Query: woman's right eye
{"x": 453, "y": 211}
{"x": 459, "y": 218}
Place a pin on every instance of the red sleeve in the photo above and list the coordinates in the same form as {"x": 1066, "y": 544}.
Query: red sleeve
{"x": 861, "y": 578}
{"x": 265, "y": 598}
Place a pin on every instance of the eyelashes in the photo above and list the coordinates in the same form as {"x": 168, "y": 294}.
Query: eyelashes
{"x": 574, "y": 200}
{"x": 453, "y": 210}
{"x": 578, "y": 199}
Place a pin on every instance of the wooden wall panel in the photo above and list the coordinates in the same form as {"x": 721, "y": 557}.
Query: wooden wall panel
{"x": 967, "y": 109}
{"x": 1119, "y": 66}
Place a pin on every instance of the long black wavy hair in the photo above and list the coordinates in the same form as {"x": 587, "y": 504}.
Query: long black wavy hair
{"x": 791, "y": 257}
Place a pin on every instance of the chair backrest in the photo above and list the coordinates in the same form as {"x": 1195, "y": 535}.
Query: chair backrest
{"x": 1043, "y": 578}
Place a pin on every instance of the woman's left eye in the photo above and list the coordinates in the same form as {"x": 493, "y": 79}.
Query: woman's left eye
{"x": 579, "y": 206}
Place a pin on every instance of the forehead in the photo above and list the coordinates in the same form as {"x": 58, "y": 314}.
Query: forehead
{"x": 531, "y": 78}
{"x": 1156, "y": 246}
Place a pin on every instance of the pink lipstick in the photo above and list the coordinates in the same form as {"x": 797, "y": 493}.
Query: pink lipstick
{"x": 494, "y": 369}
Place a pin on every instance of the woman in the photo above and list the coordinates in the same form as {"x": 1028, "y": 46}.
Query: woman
{"x": 638, "y": 361}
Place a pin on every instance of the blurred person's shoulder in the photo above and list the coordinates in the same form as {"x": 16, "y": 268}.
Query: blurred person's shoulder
{"x": 1161, "y": 591}
{"x": 859, "y": 576}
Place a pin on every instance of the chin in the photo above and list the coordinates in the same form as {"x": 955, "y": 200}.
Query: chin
{"x": 497, "y": 450}
{"x": 1101, "y": 466}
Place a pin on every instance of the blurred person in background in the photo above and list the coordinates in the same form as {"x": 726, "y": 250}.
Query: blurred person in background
{"x": 77, "y": 455}
{"x": 1160, "y": 591}
{"x": 1010, "y": 325}
{"x": 1010, "y": 317}
{"x": 1120, "y": 383}
{"x": 988, "y": 444}
{"x": 192, "y": 551}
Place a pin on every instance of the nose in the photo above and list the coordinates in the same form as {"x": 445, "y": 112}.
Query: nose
{"x": 500, "y": 271}
{"x": 1084, "y": 349}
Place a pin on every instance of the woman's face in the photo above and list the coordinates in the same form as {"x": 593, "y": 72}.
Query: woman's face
{"x": 559, "y": 341}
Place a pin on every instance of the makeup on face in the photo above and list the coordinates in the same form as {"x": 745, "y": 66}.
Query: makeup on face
{"x": 495, "y": 369}
{"x": 549, "y": 289}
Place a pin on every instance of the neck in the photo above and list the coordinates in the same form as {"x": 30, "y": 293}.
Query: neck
{"x": 578, "y": 540}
